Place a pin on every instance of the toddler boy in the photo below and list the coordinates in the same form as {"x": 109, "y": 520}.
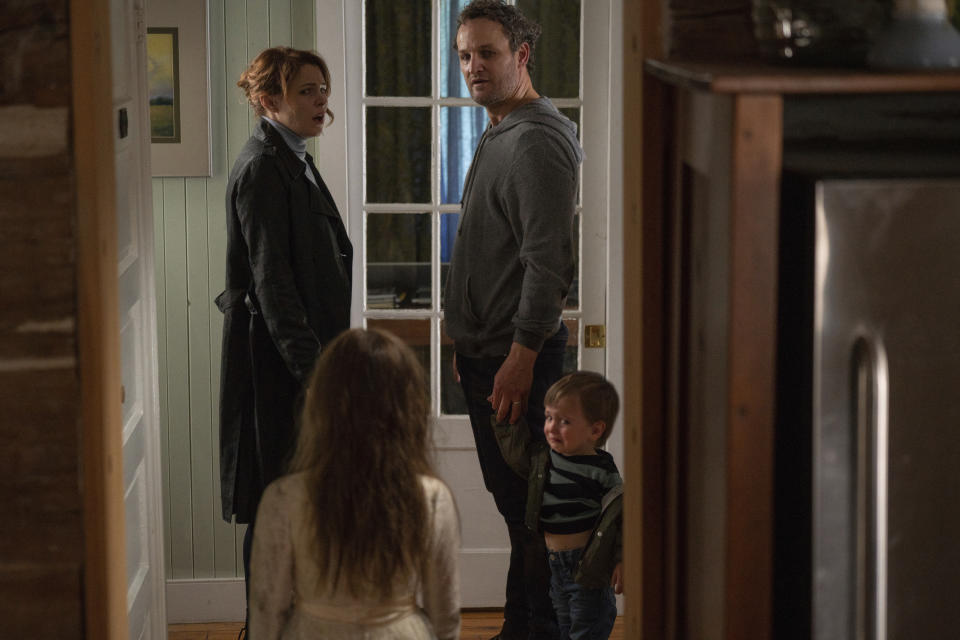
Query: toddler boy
{"x": 574, "y": 495}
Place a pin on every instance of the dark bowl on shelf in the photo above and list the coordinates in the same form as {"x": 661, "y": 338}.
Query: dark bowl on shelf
{"x": 818, "y": 32}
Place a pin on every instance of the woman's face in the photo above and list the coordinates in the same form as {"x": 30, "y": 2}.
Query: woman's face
{"x": 304, "y": 109}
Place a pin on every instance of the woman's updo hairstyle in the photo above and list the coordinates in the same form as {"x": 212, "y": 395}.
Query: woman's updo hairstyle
{"x": 270, "y": 73}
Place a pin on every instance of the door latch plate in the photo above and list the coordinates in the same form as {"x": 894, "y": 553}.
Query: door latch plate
{"x": 595, "y": 336}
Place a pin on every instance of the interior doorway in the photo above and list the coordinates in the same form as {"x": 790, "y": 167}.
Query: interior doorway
{"x": 201, "y": 552}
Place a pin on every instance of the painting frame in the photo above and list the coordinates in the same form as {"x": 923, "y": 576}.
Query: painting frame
{"x": 163, "y": 84}
{"x": 181, "y": 77}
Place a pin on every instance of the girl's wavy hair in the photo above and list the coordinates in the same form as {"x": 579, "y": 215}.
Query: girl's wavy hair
{"x": 364, "y": 442}
{"x": 272, "y": 71}
{"x": 518, "y": 27}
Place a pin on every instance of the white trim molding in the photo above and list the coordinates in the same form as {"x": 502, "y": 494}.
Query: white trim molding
{"x": 223, "y": 600}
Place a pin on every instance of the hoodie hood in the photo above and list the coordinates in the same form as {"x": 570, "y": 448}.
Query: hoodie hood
{"x": 542, "y": 111}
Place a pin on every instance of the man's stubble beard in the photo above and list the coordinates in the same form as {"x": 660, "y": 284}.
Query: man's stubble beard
{"x": 500, "y": 95}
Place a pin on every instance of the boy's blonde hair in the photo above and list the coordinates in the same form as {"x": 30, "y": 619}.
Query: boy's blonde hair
{"x": 598, "y": 399}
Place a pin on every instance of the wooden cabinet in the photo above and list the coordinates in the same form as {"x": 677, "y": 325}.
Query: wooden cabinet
{"x": 712, "y": 196}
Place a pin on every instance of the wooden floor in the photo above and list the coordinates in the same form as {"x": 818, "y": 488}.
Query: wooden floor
{"x": 476, "y": 625}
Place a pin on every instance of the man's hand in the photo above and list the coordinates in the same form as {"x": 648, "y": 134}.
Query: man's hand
{"x": 616, "y": 581}
{"x": 511, "y": 385}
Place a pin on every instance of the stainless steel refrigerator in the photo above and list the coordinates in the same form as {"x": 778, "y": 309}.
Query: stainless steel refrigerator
{"x": 868, "y": 442}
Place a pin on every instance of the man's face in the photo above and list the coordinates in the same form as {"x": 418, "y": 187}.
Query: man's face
{"x": 492, "y": 72}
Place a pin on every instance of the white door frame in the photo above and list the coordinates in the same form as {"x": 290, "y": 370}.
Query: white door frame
{"x": 142, "y": 478}
{"x": 614, "y": 238}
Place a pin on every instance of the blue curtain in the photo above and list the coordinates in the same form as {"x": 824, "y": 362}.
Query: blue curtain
{"x": 460, "y": 131}
{"x": 460, "y": 127}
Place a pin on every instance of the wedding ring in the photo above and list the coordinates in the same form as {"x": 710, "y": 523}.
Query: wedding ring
{"x": 516, "y": 402}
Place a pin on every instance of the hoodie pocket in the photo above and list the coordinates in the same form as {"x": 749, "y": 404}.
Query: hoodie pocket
{"x": 468, "y": 304}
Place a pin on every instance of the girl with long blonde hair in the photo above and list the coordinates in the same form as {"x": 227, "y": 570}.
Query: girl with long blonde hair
{"x": 361, "y": 539}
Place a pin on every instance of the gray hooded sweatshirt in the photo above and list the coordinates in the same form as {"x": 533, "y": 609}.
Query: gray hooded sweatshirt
{"x": 513, "y": 259}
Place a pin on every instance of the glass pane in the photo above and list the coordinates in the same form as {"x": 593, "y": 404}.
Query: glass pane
{"x": 448, "y": 234}
{"x": 571, "y": 360}
{"x": 556, "y": 60}
{"x": 451, "y": 80}
{"x": 451, "y": 393}
{"x": 398, "y": 261}
{"x": 398, "y": 47}
{"x": 398, "y": 154}
{"x": 573, "y": 298}
{"x": 414, "y": 332}
{"x": 573, "y": 113}
{"x": 460, "y": 132}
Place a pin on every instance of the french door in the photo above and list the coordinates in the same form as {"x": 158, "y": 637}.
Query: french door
{"x": 413, "y": 119}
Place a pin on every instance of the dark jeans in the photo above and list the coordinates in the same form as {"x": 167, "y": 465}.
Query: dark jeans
{"x": 582, "y": 613}
{"x": 528, "y": 609}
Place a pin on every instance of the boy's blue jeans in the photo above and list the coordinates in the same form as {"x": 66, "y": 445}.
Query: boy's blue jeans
{"x": 582, "y": 613}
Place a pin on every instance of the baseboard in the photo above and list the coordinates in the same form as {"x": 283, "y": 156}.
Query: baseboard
{"x": 206, "y": 600}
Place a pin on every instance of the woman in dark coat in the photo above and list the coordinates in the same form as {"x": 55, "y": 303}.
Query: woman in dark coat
{"x": 288, "y": 276}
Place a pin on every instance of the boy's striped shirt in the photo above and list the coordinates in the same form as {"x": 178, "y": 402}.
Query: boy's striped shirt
{"x": 574, "y": 490}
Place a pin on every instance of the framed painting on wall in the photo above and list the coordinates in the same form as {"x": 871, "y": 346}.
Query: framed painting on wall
{"x": 163, "y": 48}
{"x": 178, "y": 86}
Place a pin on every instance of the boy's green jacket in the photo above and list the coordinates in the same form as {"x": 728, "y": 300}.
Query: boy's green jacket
{"x": 531, "y": 460}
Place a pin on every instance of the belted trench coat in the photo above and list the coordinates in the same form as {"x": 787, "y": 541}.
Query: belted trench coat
{"x": 288, "y": 288}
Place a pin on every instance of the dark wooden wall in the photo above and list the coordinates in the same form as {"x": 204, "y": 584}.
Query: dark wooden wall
{"x": 41, "y": 528}
{"x": 706, "y": 30}
{"x": 709, "y": 29}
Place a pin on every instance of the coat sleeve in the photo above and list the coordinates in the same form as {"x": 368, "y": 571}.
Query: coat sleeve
{"x": 440, "y": 572}
{"x": 271, "y": 567}
{"x": 540, "y": 191}
{"x": 262, "y": 204}
{"x": 515, "y": 444}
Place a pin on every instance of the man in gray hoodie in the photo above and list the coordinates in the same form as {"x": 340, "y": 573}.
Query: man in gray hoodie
{"x": 511, "y": 269}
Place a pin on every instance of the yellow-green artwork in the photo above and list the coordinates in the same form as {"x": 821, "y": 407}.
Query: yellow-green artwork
{"x": 163, "y": 84}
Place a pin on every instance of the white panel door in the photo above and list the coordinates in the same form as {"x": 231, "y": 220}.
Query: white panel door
{"x": 141, "y": 442}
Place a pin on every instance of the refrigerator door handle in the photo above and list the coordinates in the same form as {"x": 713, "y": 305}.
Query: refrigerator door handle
{"x": 870, "y": 424}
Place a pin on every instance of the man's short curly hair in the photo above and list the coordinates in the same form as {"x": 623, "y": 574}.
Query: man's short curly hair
{"x": 518, "y": 27}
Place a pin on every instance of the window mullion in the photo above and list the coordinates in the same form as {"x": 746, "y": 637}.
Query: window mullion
{"x": 455, "y": 102}
{"x": 567, "y": 103}
{"x": 398, "y": 207}
{"x": 398, "y": 101}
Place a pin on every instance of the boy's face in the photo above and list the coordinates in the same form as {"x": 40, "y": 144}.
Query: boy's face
{"x": 567, "y": 430}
